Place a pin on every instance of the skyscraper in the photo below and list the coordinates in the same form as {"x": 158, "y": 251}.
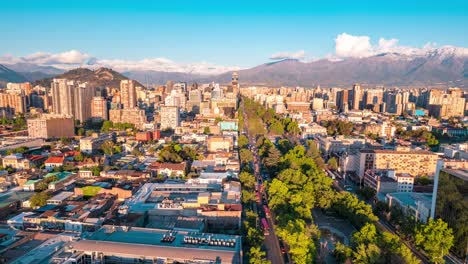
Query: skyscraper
{"x": 62, "y": 96}
{"x": 83, "y": 96}
{"x": 357, "y": 96}
{"x": 128, "y": 95}
{"x": 235, "y": 82}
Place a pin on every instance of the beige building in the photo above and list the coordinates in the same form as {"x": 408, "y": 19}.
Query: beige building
{"x": 99, "y": 110}
{"x": 51, "y": 126}
{"x": 444, "y": 104}
{"x": 128, "y": 96}
{"x": 12, "y": 103}
{"x": 416, "y": 163}
{"x": 133, "y": 116}
{"x": 170, "y": 117}
{"x": 220, "y": 143}
{"x": 69, "y": 98}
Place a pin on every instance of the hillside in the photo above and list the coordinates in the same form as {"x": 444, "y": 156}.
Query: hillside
{"x": 102, "y": 77}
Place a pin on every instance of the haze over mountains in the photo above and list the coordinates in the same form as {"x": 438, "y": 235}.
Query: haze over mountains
{"x": 446, "y": 66}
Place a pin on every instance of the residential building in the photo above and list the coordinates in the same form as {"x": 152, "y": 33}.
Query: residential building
{"x": 12, "y": 104}
{"x": 416, "y": 163}
{"x": 128, "y": 96}
{"x": 99, "y": 111}
{"x": 16, "y": 161}
{"x": 220, "y": 143}
{"x": 170, "y": 117}
{"x": 91, "y": 144}
{"x": 51, "y": 126}
{"x": 133, "y": 116}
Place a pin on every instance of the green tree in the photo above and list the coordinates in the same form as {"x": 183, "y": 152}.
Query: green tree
{"x": 367, "y": 254}
{"x": 79, "y": 157}
{"x": 435, "y": 238}
{"x": 342, "y": 253}
{"x": 39, "y": 199}
{"x": 332, "y": 164}
{"x": 106, "y": 126}
{"x": 206, "y": 130}
{"x": 96, "y": 170}
{"x": 80, "y": 132}
{"x": 366, "y": 235}
{"x": 257, "y": 256}
{"x": 247, "y": 180}
{"x": 108, "y": 147}
{"x": 243, "y": 141}
{"x": 245, "y": 156}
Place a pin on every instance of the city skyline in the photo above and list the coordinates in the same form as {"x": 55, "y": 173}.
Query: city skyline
{"x": 214, "y": 37}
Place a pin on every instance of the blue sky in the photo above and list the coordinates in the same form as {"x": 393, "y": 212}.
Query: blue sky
{"x": 241, "y": 33}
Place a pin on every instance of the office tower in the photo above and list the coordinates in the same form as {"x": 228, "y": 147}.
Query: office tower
{"x": 342, "y": 98}
{"x": 99, "y": 109}
{"x": 169, "y": 117}
{"x": 51, "y": 126}
{"x": 12, "y": 104}
{"x": 357, "y": 97}
{"x": 63, "y": 96}
{"x": 128, "y": 95}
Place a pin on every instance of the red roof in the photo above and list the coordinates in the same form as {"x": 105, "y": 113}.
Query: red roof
{"x": 55, "y": 160}
{"x": 166, "y": 165}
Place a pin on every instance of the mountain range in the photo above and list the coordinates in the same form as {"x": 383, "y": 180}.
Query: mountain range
{"x": 440, "y": 67}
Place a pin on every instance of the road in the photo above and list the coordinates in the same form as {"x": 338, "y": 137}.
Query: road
{"x": 271, "y": 242}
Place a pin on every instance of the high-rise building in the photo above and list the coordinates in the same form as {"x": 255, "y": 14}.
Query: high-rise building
{"x": 19, "y": 88}
{"x": 72, "y": 99}
{"x": 128, "y": 96}
{"x": 443, "y": 104}
{"x": 170, "y": 117}
{"x": 83, "y": 96}
{"x": 99, "y": 110}
{"x": 356, "y": 97}
{"x": 63, "y": 96}
{"x": 342, "y": 99}
{"x": 51, "y": 126}
{"x": 12, "y": 103}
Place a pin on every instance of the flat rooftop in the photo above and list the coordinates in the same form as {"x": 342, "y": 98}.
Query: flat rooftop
{"x": 158, "y": 243}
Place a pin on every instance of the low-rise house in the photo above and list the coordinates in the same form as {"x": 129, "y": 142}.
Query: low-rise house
{"x": 16, "y": 161}
{"x": 177, "y": 170}
{"x": 54, "y": 162}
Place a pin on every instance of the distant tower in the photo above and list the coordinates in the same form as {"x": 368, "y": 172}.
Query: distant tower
{"x": 357, "y": 97}
{"x": 235, "y": 82}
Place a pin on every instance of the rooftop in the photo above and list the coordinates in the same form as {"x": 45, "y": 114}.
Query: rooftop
{"x": 165, "y": 238}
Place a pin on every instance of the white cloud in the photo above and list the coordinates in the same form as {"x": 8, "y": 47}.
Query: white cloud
{"x": 74, "y": 58}
{"x": 298, "y": 55}
{"x": 349, "y": 46}
{"x": 67, "y": 57}
{"x": 352, "y": 46}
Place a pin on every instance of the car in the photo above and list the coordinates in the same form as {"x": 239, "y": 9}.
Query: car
{"x": 282, "y": 248}
{"x": 349, "y": 189}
